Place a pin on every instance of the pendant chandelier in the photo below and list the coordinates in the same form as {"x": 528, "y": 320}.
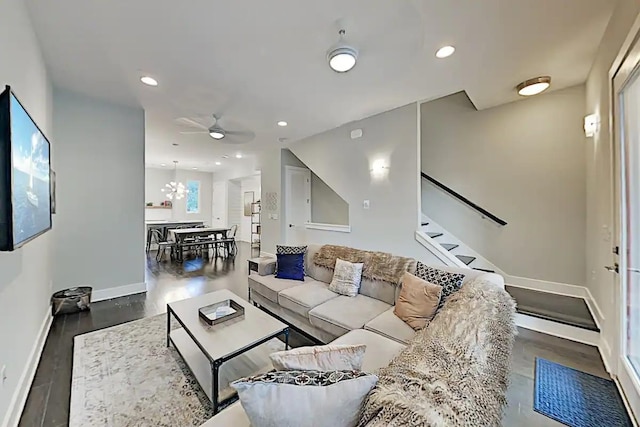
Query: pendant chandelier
{"x": 175, "y": 190}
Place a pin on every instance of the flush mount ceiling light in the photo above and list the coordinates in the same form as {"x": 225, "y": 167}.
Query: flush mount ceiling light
{"x": 238, "y": 156}
{"x": 282, "y": 123}
{"x": 341, "y": 56}
{"x": 534, "y": 86}
{"x": 216, "y": 133}
{"x": 218, "y": 163}
{"x": 445, "y": 52}
{"x": 162, "y": 164}
{"x": 149, "y": 81}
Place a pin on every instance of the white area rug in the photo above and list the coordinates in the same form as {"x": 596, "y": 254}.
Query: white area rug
{"x": 125, "y": 376}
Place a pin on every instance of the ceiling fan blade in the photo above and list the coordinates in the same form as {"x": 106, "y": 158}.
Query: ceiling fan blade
{"x": 191, "y": 123}
{"x": 193, "y": 132}
{"x": 239, "y": 137}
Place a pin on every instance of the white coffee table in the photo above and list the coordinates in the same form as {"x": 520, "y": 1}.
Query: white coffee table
{"x": 206, "y": 348}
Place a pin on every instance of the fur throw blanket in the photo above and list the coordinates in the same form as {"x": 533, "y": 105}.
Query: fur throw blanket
{"x": 454, "y": 372}
{"x": 377, "y": 265}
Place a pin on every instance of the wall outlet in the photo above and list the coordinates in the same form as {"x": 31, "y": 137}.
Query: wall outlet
{"x": 3, "y": 375}
{"x": 366, "y": 204}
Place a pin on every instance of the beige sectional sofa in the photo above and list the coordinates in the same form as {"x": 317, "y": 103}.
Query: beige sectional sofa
{"x": 310, "y": 306}
{"x": 325, "y": 315}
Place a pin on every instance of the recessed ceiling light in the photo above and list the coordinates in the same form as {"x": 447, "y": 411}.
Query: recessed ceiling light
{"x": 534, "y": 86}
{"x": 282, "y": 123}
{"x": 162, "y": 164}
{"x": 149, "y": 81}
{"x": 216, "y": 133}
{"x": 175, "y": 144}
{"x": 445, "y": 52}
{"x": 238, "y": 156}
{"x": 341, "y": 56}
{"x": 218, "y": 163}
{"x": 195, "y": 169}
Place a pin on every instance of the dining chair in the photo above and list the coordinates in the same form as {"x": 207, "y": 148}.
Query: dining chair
{"x": 163, "y": 245}
{"x": 230, "y": 242}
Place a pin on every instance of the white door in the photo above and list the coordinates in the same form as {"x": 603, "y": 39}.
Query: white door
{"x": 219, "y": 204}
{"x": 298, "y": 203}
{"x": 626, "y": 86}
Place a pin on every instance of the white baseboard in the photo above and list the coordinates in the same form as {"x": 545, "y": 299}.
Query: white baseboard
{"x": 605, "y": 353}
{"x": 19, "y": 399}
{"x": 120, "y": 291}
{"x": 547, "y": 286}
{"x": 560, "y": 330}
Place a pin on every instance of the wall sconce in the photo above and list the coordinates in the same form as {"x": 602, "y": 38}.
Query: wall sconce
{"x": 591, "y": 125}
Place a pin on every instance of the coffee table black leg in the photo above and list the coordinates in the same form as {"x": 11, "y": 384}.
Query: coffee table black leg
{"x": 215, "y": 366}
{"x": 168, "y": 326}
{"x": 286, "y": 339}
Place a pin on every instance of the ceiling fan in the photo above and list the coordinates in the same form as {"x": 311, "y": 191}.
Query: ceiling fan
{"x": 221, "y": 130}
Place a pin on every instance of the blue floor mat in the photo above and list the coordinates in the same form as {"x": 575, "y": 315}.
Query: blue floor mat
{"x": 576, "y": 398}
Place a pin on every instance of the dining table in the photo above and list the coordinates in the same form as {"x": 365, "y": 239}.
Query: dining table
{"x": 180, "y": 236}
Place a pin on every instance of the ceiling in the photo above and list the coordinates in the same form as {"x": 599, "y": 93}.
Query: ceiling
{"x": 257, "y": 62}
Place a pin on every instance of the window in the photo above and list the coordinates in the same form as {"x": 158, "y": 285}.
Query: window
{"x": 193, "y": 197}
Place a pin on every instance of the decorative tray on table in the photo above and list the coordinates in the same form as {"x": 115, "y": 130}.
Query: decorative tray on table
{"x": 221, "y": 312}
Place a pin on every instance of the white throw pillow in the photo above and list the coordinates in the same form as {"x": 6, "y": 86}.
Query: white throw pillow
{"x": 305, "y": 398}
{"x": 346, "y": 278}
{"x": 337, "y": 357}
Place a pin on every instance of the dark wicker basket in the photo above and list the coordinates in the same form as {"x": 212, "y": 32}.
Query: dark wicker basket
{"x": 71, "y": 300}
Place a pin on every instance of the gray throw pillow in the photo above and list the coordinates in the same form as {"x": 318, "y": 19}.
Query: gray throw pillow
{"x": 346, "y": 278}
{"x": 305, "y": 398}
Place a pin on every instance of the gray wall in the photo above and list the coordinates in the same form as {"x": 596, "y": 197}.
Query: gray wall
{"x": 327, "y": 207}
{"x": 25, "y": 275}
{"x": 522, "y": 161}
{"x": 154, "y": 181}
{"x": 345, "y": 165}
{"x": 100, "y": 176}
{"x": 600, "y": 199}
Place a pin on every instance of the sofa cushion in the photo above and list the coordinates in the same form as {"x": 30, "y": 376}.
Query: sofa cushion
{"x": 380, "y": 350}
{"x": 301, "y": 299}
{"x": 391, "y": 326}
{"x": 270, "y": 286}
{"x": 233, "y": 415}
{"x": 321, "y": 274}
{"x": 343, "y": 314}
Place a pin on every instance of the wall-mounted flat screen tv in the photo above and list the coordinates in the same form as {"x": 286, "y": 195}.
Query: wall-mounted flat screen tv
{"x": 25, "y": 193}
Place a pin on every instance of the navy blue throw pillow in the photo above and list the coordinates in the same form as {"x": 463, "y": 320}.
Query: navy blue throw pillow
{"x": 290, "y": 266}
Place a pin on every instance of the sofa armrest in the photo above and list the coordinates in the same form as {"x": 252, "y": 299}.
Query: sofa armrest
{"x": 494, "y": 278}
{"x": 266, "y": 266}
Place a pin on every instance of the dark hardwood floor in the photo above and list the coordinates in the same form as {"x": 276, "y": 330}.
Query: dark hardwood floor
{"x": 48, "y": 400}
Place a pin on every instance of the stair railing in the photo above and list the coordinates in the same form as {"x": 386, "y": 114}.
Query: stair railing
{"x": 485, "y": 213}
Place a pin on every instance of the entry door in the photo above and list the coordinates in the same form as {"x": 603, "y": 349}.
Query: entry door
{"x": 219, "y": 205}
{"x": 298, "y": 203}
{"x": 626, "y": 87}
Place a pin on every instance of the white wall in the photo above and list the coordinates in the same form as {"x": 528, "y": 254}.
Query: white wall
{"x": 599, "y": 225}
{"x": 251, "y": 183}
{"x": 345, "y": 165}
{"x": 154, "y": 181}
{"x": 26, "y": 274}
{"x": 179, "y": 211}
{"x": 523, "y": 162}
{"x": 100, "y": 176}
{"x": 327, "y": 207}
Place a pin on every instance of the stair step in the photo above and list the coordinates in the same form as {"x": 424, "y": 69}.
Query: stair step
{"x": 433, "y": 234}
{"x": 449, "y": 246}
{"x": 485, "y": 270}
{"x": 466, "y": 259}
{"x": 557, "y": 308}
{"x": 424, "y": 224}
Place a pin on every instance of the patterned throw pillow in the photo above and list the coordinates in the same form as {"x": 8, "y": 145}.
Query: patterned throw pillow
{"x": 346, "y": 278}
{"x": 292, "y": 250}
{"x": 302, "y": 398}
{"x": 450, "y": 282}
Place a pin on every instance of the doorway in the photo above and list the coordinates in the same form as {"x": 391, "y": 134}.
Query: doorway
{"x": 626, "y": 106}
{"x": 297, "y": 203}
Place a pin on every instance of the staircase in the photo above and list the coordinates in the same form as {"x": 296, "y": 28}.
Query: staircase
{"x": 561, "y": 315}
